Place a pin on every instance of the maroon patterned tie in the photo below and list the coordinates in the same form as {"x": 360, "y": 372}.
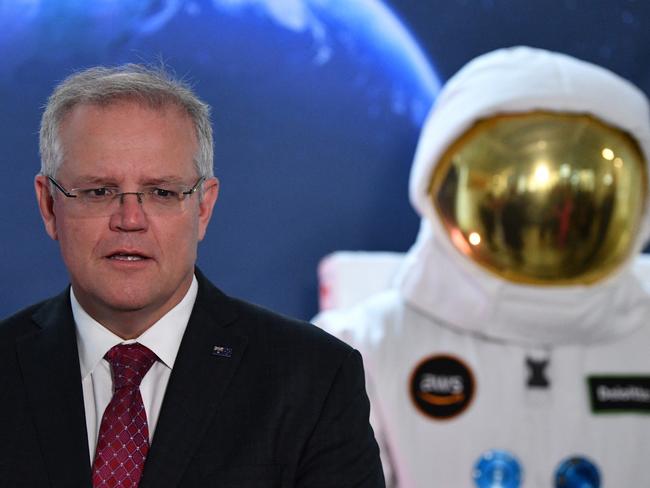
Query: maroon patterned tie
{"x": 123, "y": 435}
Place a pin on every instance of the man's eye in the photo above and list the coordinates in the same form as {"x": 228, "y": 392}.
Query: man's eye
{"x": 164, "y": 193}
{"x": 97, "y": 193}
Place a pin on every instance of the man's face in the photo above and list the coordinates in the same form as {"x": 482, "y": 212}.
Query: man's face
{"x": 131, "y": 260}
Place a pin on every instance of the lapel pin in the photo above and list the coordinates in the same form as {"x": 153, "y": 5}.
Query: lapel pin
{"x": 222, "y": 351}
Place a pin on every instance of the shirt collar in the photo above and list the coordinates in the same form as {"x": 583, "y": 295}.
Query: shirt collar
{"x": 163, "y": 338}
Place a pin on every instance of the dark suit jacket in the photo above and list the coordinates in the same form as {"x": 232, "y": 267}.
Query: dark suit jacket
{"x": 282, "y": 404}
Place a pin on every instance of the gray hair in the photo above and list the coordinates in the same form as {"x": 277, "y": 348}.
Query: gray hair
{"x": 152, "y": 87}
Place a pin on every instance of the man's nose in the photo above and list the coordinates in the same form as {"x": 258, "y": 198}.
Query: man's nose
{"x": 129, "y": 214}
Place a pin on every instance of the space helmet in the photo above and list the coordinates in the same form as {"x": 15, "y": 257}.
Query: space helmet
{"x": 535, "y": 165}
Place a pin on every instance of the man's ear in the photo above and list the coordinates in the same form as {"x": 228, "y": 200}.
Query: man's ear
{"x": 46, "y": 204}
{"x": 210, "y": 195}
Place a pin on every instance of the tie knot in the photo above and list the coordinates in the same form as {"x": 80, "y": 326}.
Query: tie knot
{"x": 129, "y": 362}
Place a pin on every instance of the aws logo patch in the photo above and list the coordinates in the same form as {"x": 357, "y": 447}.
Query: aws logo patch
{"x": 442, "y": 387}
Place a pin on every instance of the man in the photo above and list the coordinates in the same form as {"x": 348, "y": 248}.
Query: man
{"x": 142, "y": 373}
{"x": 513, "y": 348}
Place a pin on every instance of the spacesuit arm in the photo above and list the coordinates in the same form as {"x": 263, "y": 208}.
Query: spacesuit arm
{"x": 376, "y": 421}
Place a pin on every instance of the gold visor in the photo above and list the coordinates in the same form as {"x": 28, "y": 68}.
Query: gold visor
{"x": 542, "y": 198}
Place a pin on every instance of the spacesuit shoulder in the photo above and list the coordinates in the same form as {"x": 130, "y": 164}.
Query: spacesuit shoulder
{"x": 364, "y": 325}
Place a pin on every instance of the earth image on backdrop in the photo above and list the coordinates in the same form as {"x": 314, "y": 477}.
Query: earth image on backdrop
{"x": 317, "y": 105}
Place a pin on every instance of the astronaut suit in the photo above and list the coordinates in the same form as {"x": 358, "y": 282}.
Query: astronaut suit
{"x": 514, "y": 348}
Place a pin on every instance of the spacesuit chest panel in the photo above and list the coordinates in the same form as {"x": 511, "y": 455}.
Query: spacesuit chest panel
{"x": 446, "y": 398}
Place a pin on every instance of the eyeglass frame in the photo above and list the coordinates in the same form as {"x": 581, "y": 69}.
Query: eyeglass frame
{"x": 139, "y": 194}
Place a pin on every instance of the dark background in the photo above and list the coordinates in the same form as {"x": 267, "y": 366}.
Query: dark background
{"x": 314, "y": 132}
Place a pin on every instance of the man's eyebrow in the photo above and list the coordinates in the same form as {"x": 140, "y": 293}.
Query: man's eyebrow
{"x": 113, "y": 181}
{"x": 162, "y": 179}
{"x": 94, "y": 180}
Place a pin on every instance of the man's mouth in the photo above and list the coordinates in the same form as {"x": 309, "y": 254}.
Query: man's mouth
{"x": 127, "y": 257}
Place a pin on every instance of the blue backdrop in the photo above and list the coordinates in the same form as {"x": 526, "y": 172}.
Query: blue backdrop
{"x": 317, "y": 105}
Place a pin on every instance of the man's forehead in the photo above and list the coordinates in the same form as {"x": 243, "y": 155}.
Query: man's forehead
{"x": 127, "y": 141}
{"x": 126, "y": 116}
{"x": 167, "y": 108}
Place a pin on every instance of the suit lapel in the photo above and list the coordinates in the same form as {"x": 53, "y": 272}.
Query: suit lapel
{"x": 50, "y": 366}
{"x": 196, "y": 386}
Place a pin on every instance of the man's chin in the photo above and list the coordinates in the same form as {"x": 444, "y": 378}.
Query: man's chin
{"x": 131, "y": 296}
{"x": 116, "y": 297}
{"x": 127, "y": 306}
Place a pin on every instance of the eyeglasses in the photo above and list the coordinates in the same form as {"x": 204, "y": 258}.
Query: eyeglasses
{"x": 161, "y": 199}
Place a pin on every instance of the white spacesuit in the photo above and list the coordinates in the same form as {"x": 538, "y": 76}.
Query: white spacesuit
{"x": 514, "y": 348}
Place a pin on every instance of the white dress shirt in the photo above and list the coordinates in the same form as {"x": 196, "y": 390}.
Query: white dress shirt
{"x": 94, "y": 341}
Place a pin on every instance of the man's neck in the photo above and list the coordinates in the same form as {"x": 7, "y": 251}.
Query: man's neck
{"x": 129, "y": 323}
